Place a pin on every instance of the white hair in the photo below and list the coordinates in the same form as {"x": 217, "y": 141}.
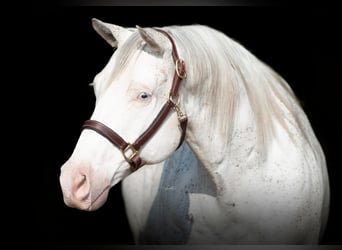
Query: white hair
{"x": 227, "y": 67}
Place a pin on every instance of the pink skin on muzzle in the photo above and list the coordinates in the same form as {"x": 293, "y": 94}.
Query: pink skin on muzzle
{"x": 82, "y": 189}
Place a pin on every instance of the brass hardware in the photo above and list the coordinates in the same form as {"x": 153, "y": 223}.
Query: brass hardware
{"x": 131, "y": 148}
{"x": 178, "y": 62}
{"x": 176, "y": 105}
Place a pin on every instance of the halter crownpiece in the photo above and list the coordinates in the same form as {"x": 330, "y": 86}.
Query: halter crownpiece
{"x": 130, "y": 151}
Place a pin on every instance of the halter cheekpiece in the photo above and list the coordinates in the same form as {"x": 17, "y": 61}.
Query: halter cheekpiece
{"x": 130, "y": 151}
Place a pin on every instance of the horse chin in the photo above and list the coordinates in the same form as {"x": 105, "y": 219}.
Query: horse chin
{"x": 99, "y": 201}
{"x": 89, "y": 204}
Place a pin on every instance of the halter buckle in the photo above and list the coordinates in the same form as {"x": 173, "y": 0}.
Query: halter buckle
{"x": 180, "y": 68}
{"x": 133, "y": 152}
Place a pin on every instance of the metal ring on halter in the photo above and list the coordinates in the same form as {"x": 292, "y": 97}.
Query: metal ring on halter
{"x": 133, "y": 154}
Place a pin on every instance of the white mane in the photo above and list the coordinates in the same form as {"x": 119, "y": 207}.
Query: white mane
{"x": 230, "y": 69}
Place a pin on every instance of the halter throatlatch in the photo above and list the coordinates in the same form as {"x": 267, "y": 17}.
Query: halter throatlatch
{"x": 130, "y": 151}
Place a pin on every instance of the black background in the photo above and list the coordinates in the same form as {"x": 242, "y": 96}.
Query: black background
{"x": 300, "y": 42}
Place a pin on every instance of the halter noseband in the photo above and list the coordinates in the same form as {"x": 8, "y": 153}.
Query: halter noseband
{"x": 130, "y": 151}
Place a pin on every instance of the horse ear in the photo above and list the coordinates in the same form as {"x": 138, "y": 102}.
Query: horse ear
{"x": 149, "y": 38}
{"x": 113, "y": 34}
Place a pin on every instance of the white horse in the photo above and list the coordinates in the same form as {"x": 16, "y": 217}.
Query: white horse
{"x": 251, "y": 170}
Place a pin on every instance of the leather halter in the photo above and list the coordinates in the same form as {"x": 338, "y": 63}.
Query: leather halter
{"x": 130, "y": 151}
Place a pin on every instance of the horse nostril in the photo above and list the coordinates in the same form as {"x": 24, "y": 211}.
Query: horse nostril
{"x": 81, "y": 188}
{"x": 80, "y": 180}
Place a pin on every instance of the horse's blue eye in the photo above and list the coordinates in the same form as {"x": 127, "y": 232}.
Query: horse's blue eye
{"x": 144, "y": 96}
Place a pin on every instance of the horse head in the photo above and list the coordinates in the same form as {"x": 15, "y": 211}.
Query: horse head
{"x": 132, "y": 92}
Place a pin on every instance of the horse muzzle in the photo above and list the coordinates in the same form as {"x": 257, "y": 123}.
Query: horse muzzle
{"x": 80, "y": 191}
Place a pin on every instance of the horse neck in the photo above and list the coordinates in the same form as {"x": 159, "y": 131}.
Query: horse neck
{"x": 216, "y": 152}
